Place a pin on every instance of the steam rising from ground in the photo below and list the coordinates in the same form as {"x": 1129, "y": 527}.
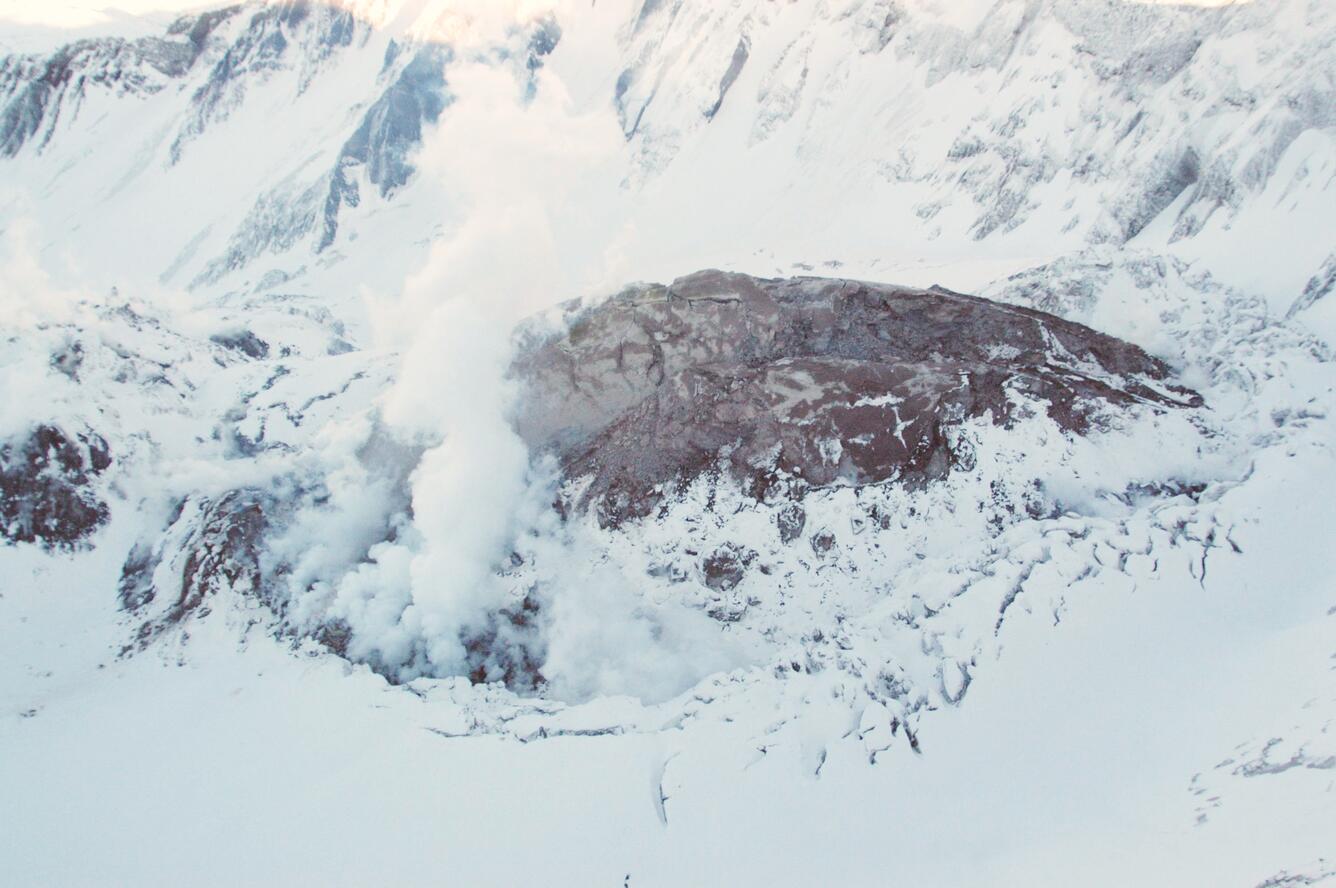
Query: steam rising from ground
{"x": 28, "y": 297}
{"x": 531, "y": 183}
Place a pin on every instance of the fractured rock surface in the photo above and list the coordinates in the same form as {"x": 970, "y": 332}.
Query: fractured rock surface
{"x": 219, "y": 549}
{"x": 807, "y": 382}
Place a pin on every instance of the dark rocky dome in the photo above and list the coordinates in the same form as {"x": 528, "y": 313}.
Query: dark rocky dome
{"x": 805, "y": 382}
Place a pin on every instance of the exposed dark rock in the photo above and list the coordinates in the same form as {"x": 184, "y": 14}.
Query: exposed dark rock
{"x": 277, "y": 222}
{"x": 740, "y": 53}
{"x": 630, "y": 125}
{"x": 1179, "y": 174}
{"x": 46, "y": 487}
{"x": 725, "y": 567}
{"x": 509, "y": 649}
{"x": 40, "y": 89}
{"x": 197, "y": 28}
{"x": 546, "y": 36}
{"x": 68, "y": 360}
{"x": 136, "y": 589}
{"x": 260, "y": 48}
{"x": 888, "y": 27}
{"x": 809, "y": 382}
{"x": 727, "y": 610}
{"x": 389, "y": 132}
{"x": 222, "y": 552}
{"x": 225, "y": 550}
{"x": 647, "y": 9}
{"x": 822, "y": 542}
{"x": 1319, "y": 287}
{"x": 243, "y": 341}
{"x": 790, "y": 519}
{"x": 335, "y": 635}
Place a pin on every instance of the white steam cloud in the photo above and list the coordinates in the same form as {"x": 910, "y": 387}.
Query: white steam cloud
{"x": 531, "y": 179}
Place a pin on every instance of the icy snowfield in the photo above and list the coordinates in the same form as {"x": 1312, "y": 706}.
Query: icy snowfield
{"x": 289, "y": 595}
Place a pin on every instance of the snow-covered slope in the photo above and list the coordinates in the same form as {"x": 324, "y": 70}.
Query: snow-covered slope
{"x": 349, "y": 516}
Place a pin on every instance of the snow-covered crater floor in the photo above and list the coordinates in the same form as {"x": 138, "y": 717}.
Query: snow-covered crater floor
{"x": 1101, "y": 733}
{"x": 1149, "y": 671}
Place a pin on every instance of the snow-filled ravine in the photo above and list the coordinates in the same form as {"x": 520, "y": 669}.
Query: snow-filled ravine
{"x": 668, "y": 442}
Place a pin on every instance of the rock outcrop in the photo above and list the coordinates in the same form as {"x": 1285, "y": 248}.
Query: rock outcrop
{"x": 47, "y": 493}
{"x": 792, "y": 384}
{"x": 214, "y": 545}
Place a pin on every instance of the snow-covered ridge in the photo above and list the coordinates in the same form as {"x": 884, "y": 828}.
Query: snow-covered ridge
{"x": 1063, "y": 124}
{"x": 385, "y": 78}
{"x": 1084, "y": 120}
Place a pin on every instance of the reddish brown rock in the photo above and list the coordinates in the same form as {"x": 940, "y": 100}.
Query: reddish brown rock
{"x": 808, "y": 382}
